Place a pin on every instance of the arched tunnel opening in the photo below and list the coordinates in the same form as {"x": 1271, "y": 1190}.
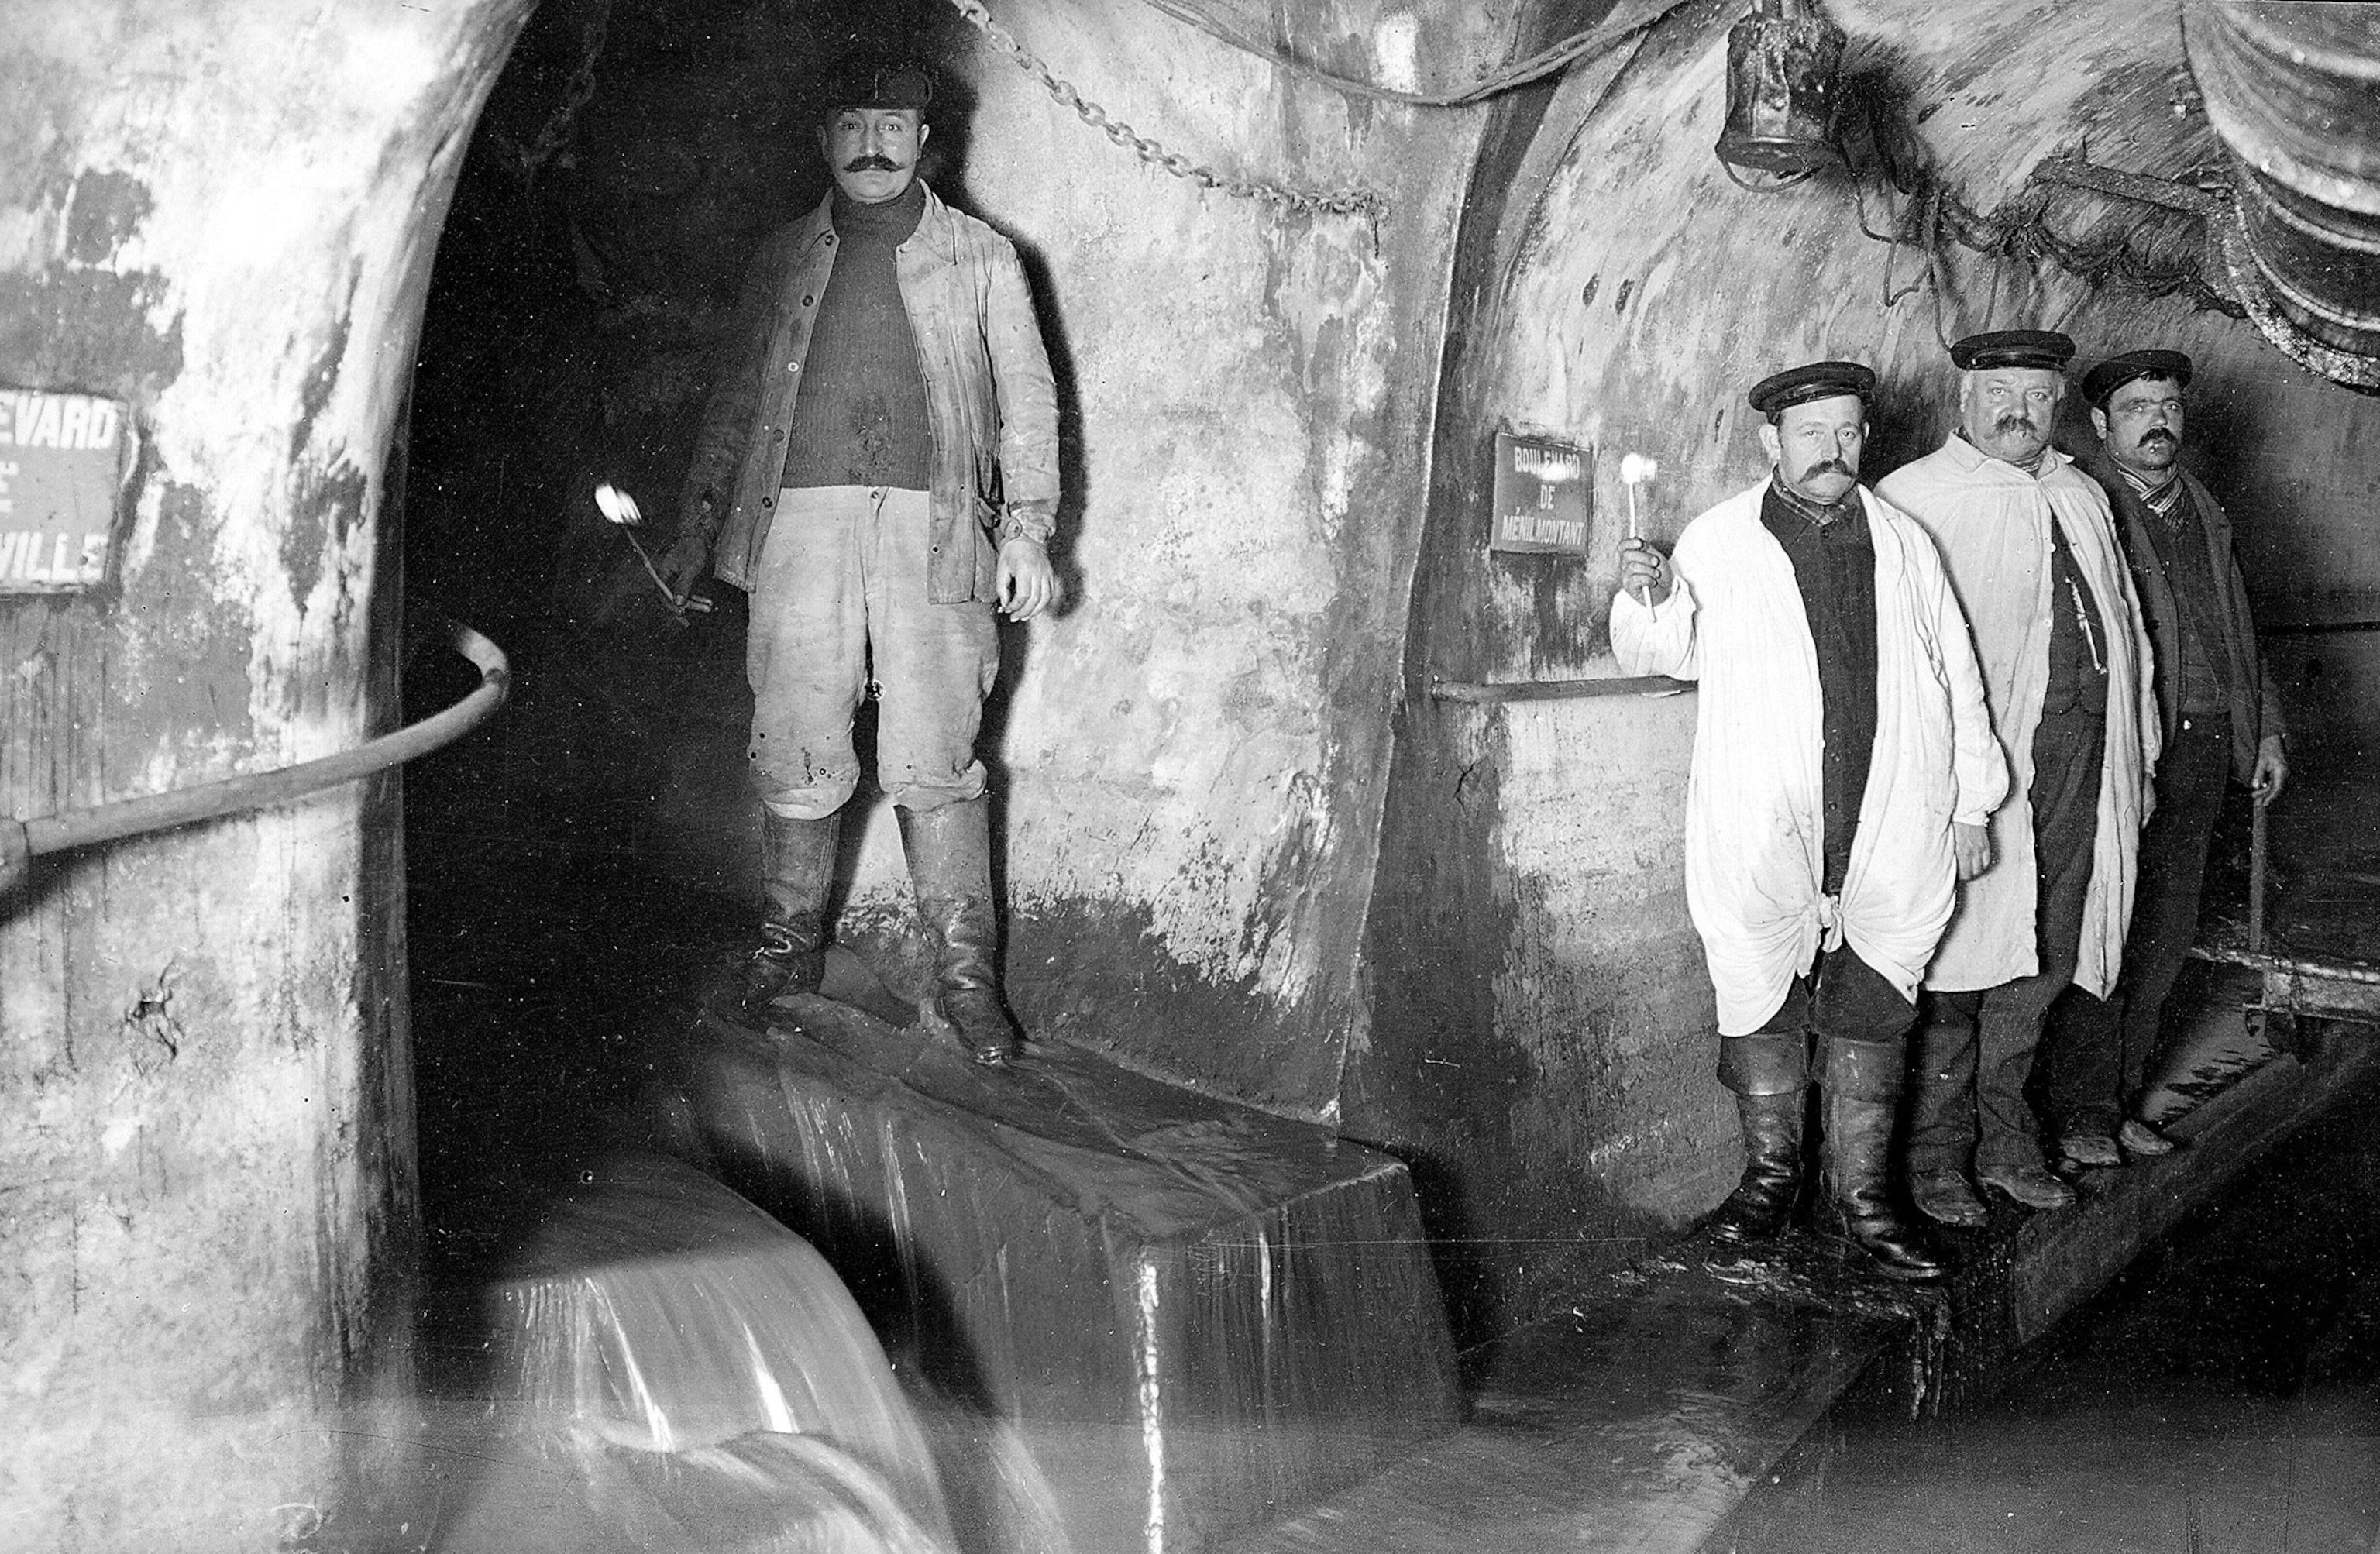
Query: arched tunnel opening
{"x": 571, "y": 876}
{"x": 1369, "y": 1123}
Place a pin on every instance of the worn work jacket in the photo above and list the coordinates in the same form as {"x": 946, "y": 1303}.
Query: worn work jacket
{"x": 1755, "y": 815}
{"x": 990, "y": 405}
{"x": 2255, "y": 705}
{"x": 1991, "y": 521}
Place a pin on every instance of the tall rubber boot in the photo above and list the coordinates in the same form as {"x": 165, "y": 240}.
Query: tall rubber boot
{"x": 791, "y": 955}
{"x": 950, "y": 864}
{"x": 1768, "y": 1073}
{"x": 1861, "y": 1082}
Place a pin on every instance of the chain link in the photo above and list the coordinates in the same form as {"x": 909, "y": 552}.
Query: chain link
{"x": 1362, "y": 202}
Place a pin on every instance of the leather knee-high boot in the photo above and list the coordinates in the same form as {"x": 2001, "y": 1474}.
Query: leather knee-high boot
{"x": 1861, "y": 1084}
{"x": 1768, "y": 1073}
{"x": 950, "y": 863}
{"x": 791, "y": 955}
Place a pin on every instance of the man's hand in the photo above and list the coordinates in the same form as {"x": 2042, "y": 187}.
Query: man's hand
{"x": 682, "y": 566}
{"x": 1644, "y": 572}
{"x": 2272, "y": 770}
{"x": 1028, "y": 584}
{"x": 1972, "y": 847}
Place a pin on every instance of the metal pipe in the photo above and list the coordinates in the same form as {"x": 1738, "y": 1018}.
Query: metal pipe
{"x": 2316, "y": 629}
{"x": 2294, "y": 91}
{"x": 2256, "y": 878}
{"x": 1487, "y": 693}
{"x": 20, "y": 840}
{"x": 2359, "y": 972}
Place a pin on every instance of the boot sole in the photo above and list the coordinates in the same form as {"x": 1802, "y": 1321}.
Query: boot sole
{"x": 2047, "y": 1205}
{"x": 1857, "y": 1256}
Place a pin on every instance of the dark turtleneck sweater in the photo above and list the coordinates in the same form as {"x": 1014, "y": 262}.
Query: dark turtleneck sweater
{"x": 859, "y": 418}
{"x": 1834, "y": 563}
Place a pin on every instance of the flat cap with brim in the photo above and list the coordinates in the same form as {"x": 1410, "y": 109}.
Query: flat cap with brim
{"x": 2117, "y": 370}
{"x": 870, "y": 78}
{"x": 2012, "y": 347}
{"x": 1820, "y": 380}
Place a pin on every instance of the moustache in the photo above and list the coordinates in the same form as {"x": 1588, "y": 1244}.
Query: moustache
{"x": 2159, "y": 434}
{"x": 872, "y": 163}
{"x": 2015, "y": 420}
{"x": 1826, "y": 465}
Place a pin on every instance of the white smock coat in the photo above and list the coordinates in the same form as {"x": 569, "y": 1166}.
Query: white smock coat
{"x": 1991, "y": 521}
{"x": 1756, "y": 818}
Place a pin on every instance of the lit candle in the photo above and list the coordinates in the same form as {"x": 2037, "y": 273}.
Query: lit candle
{"x": 1636, "y": 470}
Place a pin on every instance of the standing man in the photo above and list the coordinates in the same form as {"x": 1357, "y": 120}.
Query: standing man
{"x": 2029, "y": 545}
{"x": 2219, "y": 718}
{"x": 879, "y": 469}
{"x": 1841, "y": 732}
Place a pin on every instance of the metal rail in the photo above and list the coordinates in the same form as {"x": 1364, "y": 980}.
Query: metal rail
{"x": 21, "y": 841}
{"x": 1490, "y": 692}
{"x": 2317, "y": 628}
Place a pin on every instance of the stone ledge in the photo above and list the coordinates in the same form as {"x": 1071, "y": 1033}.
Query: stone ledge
{"x": 1166, "y": 1316}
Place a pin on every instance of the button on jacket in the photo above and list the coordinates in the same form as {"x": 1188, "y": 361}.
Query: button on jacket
{"x": 991, "y": 406}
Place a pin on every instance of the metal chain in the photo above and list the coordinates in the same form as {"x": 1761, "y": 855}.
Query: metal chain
{"x": 562, "y": 125}
{"x": 1367, "y": 203}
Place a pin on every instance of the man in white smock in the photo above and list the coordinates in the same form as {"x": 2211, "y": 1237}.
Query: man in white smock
{"x": 1841, "y": 732}
{"x": 2030, "y": 546}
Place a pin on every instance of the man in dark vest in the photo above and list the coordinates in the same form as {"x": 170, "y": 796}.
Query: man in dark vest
{"x": 2221, "y": 718}
{"x": 1844, "y": 773}
{"x": 878, "y": 469}
{"x": 2029, "y": 543}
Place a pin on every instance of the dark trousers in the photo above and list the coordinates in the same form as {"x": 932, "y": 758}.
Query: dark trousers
{"x": 2098, "y": 1052}
{"x": 1975, "y": 1049}
{"x": 1841, "y": 997}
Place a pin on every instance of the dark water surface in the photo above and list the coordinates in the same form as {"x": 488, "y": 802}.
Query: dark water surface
{"x": 2223, "y": 1396}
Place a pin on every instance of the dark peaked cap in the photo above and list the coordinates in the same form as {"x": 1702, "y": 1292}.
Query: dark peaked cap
{"x": 2115, "y": 372}
{"x": 2012, "y": 347}
{"x": 875, "y": 78}
{"x": 1820, "y": 380}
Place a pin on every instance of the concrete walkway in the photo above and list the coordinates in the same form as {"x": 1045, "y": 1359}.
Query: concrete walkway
{"x": 1643, "y": 1420}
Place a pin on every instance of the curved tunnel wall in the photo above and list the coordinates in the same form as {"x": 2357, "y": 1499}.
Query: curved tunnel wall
{"x": 1543, "y": 1040}
{"x": 224, "y": 215}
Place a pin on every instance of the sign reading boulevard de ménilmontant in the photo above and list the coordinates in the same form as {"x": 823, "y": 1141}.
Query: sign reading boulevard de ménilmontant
{"x": 63, "y": 458}
{"x": 1543, "y": 503}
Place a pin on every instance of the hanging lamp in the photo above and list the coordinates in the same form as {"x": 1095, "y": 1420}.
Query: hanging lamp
{"x": 1783, "y": 60}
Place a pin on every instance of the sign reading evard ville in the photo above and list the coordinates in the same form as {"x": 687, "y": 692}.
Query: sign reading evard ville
{"x": 1543, "y": 501}
{"x": 63, "y": 457}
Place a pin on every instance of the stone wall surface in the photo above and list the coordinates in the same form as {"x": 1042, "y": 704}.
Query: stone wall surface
{"x": 224, "y": 215}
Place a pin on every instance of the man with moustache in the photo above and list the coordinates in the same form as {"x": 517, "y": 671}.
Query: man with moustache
{"x": 1840, "y": 734}
{"x": 2219, "y": 718}
{"x": 878, "y": 468}
{"x": 2029, "y": 545}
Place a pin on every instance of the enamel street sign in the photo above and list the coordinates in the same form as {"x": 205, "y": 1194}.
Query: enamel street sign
{"x": 1542, "y": 501}
{"x": 63, "y": 459}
